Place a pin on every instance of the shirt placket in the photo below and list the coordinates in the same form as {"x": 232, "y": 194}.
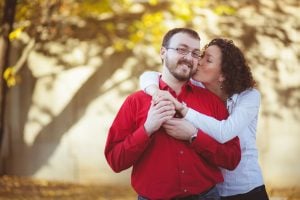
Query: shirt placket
{"x": 182, "y": 171}
{"x": 182, "y": 168}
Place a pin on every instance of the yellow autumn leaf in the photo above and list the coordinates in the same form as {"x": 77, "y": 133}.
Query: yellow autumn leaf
{"x": 15, "y": 34}
{"x": 153, "y": 2}
{"x": 8, "y": 72}
{"x": 223, "y": 9}
{"x": 9, "y": 76}
{"x": 11, "y": 82}
{"x": 118, "y": 45}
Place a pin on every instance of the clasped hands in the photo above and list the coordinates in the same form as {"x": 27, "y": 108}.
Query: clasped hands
{"x": 161, "y": 113}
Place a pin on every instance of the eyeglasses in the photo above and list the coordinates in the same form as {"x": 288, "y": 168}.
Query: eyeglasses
{"x": 184, "y": 51}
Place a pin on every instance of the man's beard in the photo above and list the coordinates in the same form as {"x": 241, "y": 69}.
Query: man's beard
{"x": 180, "y": 76}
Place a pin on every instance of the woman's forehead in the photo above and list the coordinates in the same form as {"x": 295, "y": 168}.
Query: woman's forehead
{"x": 213, "y": 51}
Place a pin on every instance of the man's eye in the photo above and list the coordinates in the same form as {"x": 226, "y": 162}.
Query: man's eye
{"x": 182, "y": 50}
{"x": 197, "y": 54}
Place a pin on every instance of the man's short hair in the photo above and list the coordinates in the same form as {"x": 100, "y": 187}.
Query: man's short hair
{"x": 170, "y": 33}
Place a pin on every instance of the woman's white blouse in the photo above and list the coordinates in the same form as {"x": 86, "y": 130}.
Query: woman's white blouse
{"x": 242, "y": 122}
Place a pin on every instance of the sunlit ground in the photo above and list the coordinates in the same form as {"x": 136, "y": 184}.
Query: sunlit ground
{"x": 17, "y": 188}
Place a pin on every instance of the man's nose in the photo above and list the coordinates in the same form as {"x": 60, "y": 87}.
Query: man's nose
{"x": 189, "y": 56}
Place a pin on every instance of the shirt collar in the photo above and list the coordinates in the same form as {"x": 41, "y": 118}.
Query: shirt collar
{"x": 164, "y": 86}
{"x": 233, "y": 98}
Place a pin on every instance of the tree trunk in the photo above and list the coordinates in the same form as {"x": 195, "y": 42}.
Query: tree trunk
{"x": 6, "y": 28}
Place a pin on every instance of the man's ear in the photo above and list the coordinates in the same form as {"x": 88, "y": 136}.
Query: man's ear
{"x": 163, "y": 51}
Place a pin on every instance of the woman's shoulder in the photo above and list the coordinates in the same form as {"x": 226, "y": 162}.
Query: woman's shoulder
{"x": 250, "y": 92}
{"x": 249, "y": 95}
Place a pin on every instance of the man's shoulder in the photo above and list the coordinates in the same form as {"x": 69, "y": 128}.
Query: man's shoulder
{"x": 139, "y": 95}
{"x": 204, "y": 93}
{"x": 213, "y": 105}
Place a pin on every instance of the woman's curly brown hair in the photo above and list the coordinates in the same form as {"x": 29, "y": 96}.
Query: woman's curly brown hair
{"x": 237, "y": 73}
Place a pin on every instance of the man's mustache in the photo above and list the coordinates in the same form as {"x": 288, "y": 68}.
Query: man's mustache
{"x": 185, "y": 62}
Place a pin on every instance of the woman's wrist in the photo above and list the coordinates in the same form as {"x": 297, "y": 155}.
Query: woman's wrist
{"x": 183, "y": 109}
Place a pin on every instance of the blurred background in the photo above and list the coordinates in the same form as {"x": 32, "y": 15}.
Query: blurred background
{"x": 67, "y": 66}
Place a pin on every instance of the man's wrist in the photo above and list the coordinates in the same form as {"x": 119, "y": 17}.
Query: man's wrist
{"x": 147, "y": 130}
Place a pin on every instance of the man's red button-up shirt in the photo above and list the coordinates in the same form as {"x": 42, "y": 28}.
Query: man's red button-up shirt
{"x": 164, "y": 167}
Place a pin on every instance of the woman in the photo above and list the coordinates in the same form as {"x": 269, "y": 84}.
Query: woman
{"x": 223, "y": 70}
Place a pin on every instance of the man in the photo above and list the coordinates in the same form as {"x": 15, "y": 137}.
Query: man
{"x": 168, "y": 166}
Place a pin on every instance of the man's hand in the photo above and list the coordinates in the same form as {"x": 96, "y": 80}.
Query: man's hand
{"x": 161, "y": 95}
{"x": 179, "y": 128}
{"x": 158, "y": 114}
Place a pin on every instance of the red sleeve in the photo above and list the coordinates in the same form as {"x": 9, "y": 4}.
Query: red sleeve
{"x": 227, "y": 155}
{"x": 125, "y": 142}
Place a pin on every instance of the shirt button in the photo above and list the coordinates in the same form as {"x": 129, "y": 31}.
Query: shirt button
{"x": 185, "y": 190}
{"x": 182, "y": 171}
{"x": 181, "y": 152}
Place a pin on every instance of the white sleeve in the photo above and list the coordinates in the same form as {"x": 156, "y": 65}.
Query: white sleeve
{"x": 197, "y": 83}
{"x": 149, "y": 78}
{"x": 245, "y": 110}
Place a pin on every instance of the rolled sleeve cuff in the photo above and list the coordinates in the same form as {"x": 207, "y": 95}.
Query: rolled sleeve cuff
{"x": 189, "y": 115}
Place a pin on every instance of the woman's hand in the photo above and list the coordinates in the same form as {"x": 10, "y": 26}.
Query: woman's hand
{"x": 179, "y": 128}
